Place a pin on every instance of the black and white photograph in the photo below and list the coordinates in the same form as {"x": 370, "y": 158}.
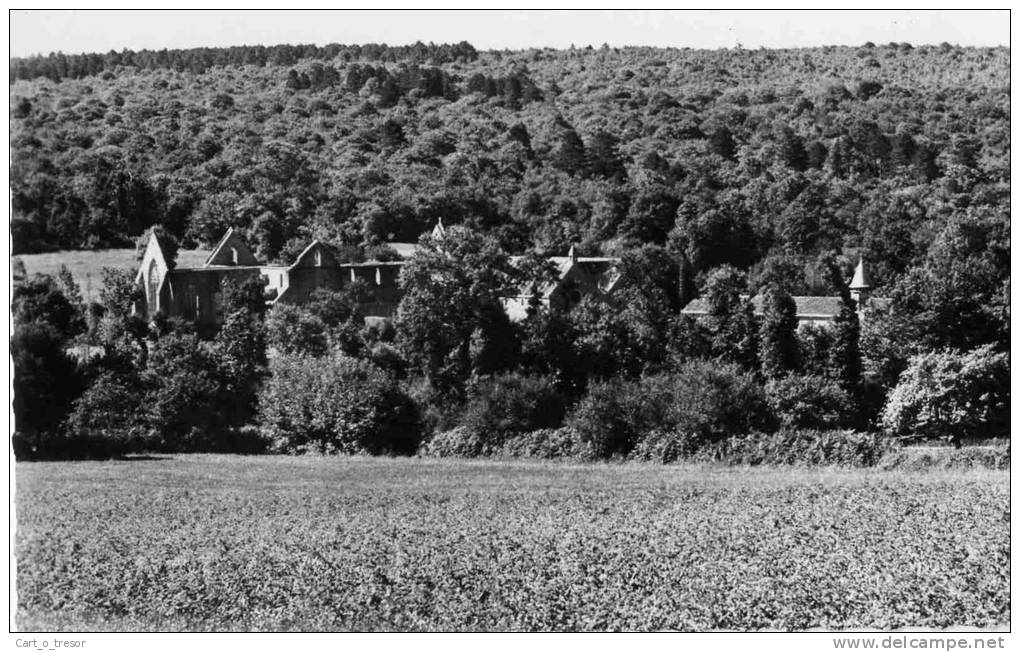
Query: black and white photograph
{"x": 515, "y": 320}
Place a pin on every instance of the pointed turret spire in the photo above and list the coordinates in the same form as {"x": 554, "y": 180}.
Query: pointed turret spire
{"x": 439, "y": 230}
{"x": 861, "y": 280}
{"x": 860, "y": 286}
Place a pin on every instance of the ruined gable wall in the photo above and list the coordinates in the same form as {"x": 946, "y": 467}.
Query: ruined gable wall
{"x": 383, "y": 284}
{"x": 196, "y": 294}
{"x": 302, "y": 281}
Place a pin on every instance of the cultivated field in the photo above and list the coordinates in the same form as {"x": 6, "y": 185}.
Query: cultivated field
{"x": 283, "y": 543}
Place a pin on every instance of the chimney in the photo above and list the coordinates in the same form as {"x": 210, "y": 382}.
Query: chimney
{"x": 572, "y": 255}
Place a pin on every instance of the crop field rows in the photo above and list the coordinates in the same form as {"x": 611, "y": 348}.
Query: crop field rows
{"x": 207, "y": 542}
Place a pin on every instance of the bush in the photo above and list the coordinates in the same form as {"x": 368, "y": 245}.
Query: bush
{"x": 244, "y": 440}
{"x": 502, "y": 407}
{"x": 951, "y": 394}
{"x": 438, "y": 410}
{"x": 456, "y": 442}
{"x": 614, "y": 415}
{"x": 184, "y": 392}
{"x": 336, "y": 405}
{"x": 109, "y": 409}
{"x": 809, "y": 402}
{"x": 801, "y": 447}
{"x": 925, "y": 458}
{"x": 664, "y": 446}
{"x": 701, "y": 402}
{"x": 547, "y": 444}
{"x": 498, "y": 411}
{"x": 712, "y": 401}
{"x": 46, "y": 380}
{"x": 22, "y": 447}
{"x": 294, "y": 330}
{"x": 388, "y": 358}
{"x": 74, "y": 447}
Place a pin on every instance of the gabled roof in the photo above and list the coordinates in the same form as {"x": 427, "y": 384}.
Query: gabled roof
{"x": 231, "y": 251}
{"x": 304, "y": 259}
{"x": 153, "y": 253}
{"x": 602, "y": 268}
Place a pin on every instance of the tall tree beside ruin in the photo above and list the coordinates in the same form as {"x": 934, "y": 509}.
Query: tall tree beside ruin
{"x": 845, "y": 353}
{"x": 732, "y": 324}
{"x": 450, "y": 319}
{"x": 777, "y": 342}
{"x": 241, "y": 349}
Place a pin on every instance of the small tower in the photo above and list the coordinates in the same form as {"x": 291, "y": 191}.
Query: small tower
{"x": 438, "y": 231}
{"x": 860, "y": 286}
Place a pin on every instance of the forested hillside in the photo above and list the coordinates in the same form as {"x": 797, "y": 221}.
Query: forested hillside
{"x": 718, "y": 173}
{"x": 725, "y": 155}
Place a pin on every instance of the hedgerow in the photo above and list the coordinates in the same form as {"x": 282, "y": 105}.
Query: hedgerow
{"x": 801, "y": 447}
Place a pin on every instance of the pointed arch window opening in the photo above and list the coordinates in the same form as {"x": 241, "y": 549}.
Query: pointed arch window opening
{"x": 152, "y": 288}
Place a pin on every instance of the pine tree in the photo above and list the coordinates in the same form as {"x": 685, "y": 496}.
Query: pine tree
{"x": 791, "y": 147}
{"x": 903, "y": 149}
{"x": 71, "y": 290}
{"x": 241, "y": 348}
{"x": 845, "y": 352}
{"x": 722, "y": 143}
{"x": 733, "y": 327}
{"x": 777, "y": 346}
{"x": 816, "y": 153}
{"x": 604, "y": 156}
{"x": 569, "y": 154}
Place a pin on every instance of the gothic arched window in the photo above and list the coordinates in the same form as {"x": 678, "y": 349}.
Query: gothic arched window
{"x": 152, "y": 287}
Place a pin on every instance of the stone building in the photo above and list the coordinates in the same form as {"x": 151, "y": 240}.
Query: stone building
{"x": 813, "y": 309}
{"x": 576, "y": 276}
{"x": 195, "y": 292}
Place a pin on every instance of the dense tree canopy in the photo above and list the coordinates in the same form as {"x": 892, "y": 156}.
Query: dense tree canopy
{"x": 451, "y": 322}
{"x": 720, "y": 173}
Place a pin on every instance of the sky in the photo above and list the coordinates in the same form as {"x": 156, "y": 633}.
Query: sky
{"x": 35, "y": 31}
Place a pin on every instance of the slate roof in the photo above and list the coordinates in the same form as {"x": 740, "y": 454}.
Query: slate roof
{"x": 807, "y": 307}
{"x": 602, "y": 268}
{"x": 862, "y": 279}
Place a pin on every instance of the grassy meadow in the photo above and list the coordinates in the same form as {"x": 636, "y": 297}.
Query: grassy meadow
{"x": 206, "y": 542}
{"x": 86, "y": 266}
